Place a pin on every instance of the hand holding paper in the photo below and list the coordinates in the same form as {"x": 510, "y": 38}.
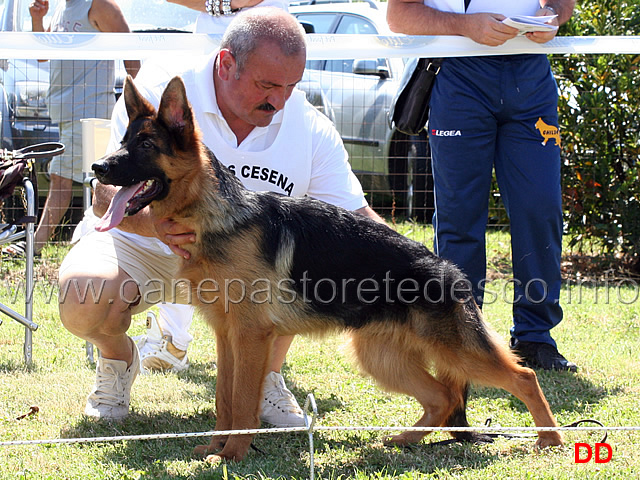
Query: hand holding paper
{"x": 526, "y": 24}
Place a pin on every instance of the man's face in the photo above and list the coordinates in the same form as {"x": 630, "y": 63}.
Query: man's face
{"x": 266, "y": 82}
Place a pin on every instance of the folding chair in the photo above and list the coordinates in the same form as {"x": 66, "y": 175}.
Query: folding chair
{"x": 19, "y": 161}
{"x": 95, "y": 139}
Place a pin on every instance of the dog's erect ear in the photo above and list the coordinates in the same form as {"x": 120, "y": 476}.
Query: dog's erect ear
{"x": 175, "y": 111}
{"x": 137, "y": 105}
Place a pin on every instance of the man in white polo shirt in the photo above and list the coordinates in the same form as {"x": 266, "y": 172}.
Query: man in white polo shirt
{"x": 264, "y": 130}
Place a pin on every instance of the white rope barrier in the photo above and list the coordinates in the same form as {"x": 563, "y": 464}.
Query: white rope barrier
{"x": 319, "y": 428}
{"x": 126, "y": 46}
{"x": 310, "y": 417}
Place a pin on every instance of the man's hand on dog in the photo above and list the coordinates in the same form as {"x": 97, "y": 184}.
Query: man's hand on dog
{"x": 174, "y": 234}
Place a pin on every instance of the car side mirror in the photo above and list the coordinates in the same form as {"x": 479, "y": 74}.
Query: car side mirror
{"x": 308, "y": 27}
{"x": 371, "y": 67}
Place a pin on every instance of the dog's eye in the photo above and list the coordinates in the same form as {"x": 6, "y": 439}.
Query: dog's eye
{"x": 146, "y": 144}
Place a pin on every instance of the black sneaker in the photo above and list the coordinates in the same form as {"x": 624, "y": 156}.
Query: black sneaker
{"x": 541, "y": 355}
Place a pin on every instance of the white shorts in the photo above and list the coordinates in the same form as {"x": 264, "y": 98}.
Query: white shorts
{"x": 152, "y": 270}
{"x": 69, "y": 164}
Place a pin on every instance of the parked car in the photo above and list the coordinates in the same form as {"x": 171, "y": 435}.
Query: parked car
{"x": 24, "y": 84}
{"x": 393, "y": 168}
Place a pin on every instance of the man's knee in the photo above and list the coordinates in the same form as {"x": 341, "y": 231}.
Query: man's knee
{"x": 93, "y": 302}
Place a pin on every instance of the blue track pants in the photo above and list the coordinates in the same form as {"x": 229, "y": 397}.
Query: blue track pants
{"x": 501, "y": 113}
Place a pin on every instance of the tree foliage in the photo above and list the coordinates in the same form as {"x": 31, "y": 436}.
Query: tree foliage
{"x": 599, "y": 115}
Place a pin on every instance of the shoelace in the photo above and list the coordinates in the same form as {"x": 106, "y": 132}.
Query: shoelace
{"x": 109, "y": 381}
{"x": 281, "y": 397}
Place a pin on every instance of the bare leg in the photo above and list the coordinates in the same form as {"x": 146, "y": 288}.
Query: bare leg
{"x": 280, "y": 349}
{"x": 56, "y": 205}
{"x": 102, "y": 319}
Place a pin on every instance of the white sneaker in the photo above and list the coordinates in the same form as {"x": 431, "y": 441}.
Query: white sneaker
{"x": 157, "y": 352}
{"x": 279, "y": 407}
{"x": 109, "y": 399}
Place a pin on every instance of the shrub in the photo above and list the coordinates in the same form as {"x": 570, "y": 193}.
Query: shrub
{"x": 599, "y": 110}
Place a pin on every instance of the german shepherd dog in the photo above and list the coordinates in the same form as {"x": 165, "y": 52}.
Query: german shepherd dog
{"x": 409, "y": 315}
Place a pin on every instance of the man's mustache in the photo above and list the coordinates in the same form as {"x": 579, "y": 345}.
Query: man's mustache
{"x": 267, "y": 107}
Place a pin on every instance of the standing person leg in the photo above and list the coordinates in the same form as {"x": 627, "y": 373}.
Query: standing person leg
{"x": 278, "y": 406}
{"x": 528, "y": 172}
{"x": 461, "y": 133}
{"x": 55, "y": 206}
{"x": 63, "y": 170}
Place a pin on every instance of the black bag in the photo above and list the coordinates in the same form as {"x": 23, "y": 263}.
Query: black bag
{"x": 17, "y": 164}
{"x": 409, "y": 110}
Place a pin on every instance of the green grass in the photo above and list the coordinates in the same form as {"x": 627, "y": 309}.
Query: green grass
{"x": 602, "y": 335}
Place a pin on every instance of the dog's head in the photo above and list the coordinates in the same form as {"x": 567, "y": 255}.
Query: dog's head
{"x": 154, "y": 153}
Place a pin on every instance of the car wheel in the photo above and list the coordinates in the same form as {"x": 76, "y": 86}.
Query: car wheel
{"x": 410, "y": 177}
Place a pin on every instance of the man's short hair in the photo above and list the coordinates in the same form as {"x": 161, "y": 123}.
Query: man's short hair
{"x": 257, "y": 26}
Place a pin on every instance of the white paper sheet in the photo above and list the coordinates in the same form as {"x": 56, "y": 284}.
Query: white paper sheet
{"x": 531, "y": 24}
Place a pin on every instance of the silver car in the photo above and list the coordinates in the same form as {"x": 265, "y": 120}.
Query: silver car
{"x": 393, "y": 168}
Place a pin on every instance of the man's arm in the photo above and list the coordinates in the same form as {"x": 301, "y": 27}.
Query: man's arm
{"x": 175, "y": 234}
{"x": 370, "y": 213}
{"x": 106, "y": 16}
{"x": 562, "y": 8}
{"x": 38, "y": 9}
{"x": 412, "y": 17}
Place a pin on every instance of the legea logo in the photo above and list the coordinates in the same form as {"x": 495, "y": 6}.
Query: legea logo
{"x": 445, "y": 133}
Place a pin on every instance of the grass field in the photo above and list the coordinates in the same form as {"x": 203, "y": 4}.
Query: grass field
{"x": 601, "y": 333}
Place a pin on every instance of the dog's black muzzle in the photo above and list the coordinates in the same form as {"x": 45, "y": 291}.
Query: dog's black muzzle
{"x": 101, "y": 170}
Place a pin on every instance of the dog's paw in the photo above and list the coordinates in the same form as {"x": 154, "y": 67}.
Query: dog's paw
{"x": 549, "y": 439}
{"x": 201, "y": 451}
{"x": 404, "y": 439}
{"x": 217, "y": 444}
{"x": 214, "y": 459}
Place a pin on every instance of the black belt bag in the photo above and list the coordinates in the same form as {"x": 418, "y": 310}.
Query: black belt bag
{"x": 409, "y": 110}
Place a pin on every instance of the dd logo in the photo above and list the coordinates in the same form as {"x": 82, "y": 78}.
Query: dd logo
{"x": 584, "y": 453}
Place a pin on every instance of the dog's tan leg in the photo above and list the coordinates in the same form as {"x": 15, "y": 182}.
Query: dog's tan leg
{"x": 400, "y": 369}
{"x": 224, "y": 393}
{"x": 524, "y": 385}
{"x": 502, "y": 370}
{"x": 251, "y": 346}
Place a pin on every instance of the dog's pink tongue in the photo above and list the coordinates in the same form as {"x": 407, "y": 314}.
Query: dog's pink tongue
{"x": 115, "y": 212}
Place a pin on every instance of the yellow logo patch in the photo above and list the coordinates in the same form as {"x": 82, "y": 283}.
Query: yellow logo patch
{"x": 548, "y": 132}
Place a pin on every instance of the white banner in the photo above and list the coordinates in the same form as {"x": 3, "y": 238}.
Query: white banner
{"x": 128, "y": 46}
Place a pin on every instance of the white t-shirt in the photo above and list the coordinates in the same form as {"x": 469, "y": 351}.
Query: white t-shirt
{"x": 505, "y": 7}
{"x": 205, "y": 23}
{"x": 299, "y": 153}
